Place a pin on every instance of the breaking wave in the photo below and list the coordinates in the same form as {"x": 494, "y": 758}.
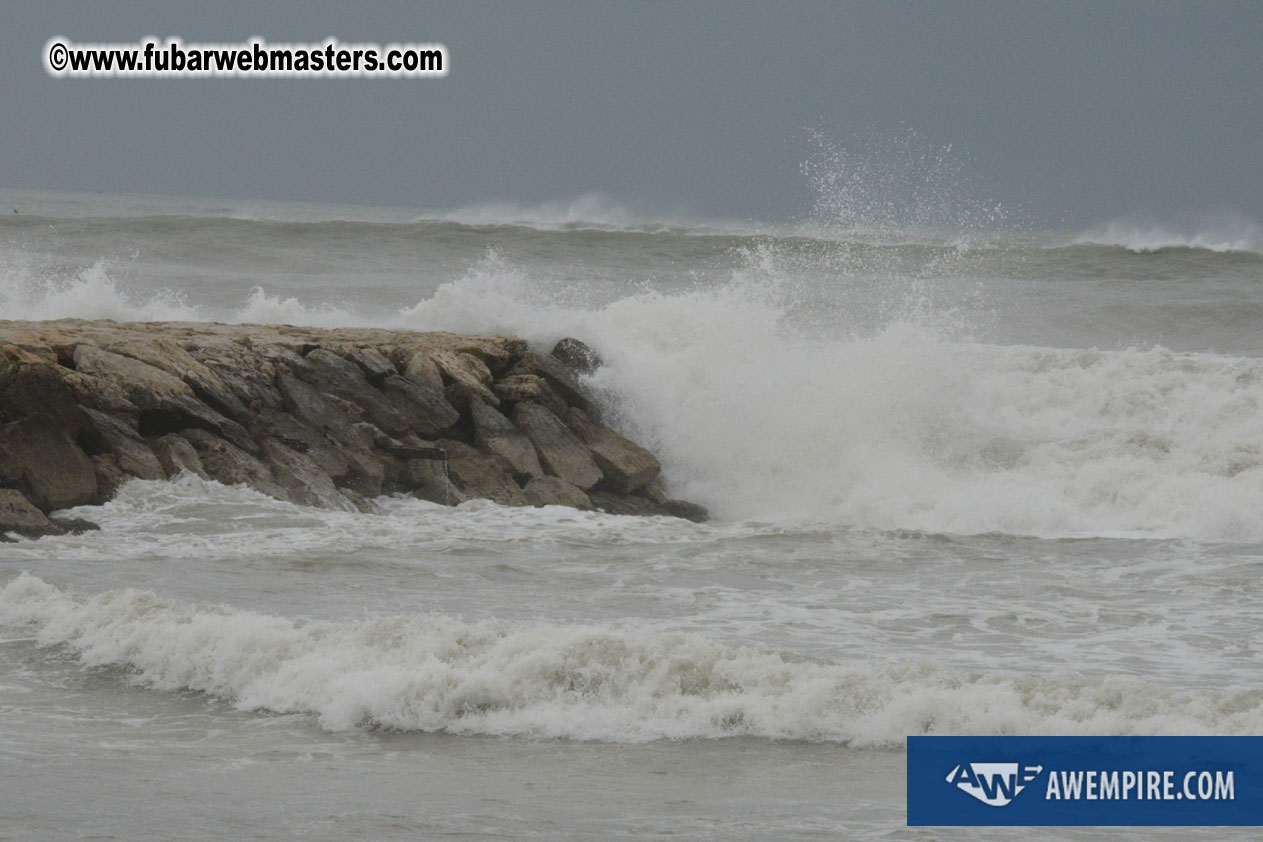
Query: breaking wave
{"x": 611, "y": 683}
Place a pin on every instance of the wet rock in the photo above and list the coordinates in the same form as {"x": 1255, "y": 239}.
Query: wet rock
{"x": 39, "y": 389}
{"x": 427, "y": 411}
{"x": 74, "y": 525}
{"x": 176, "y": 413}
{"x": 686, "y": 510}
{"x": 322, "y": 417}
{"x": 616, "y": 504}
{"x": 142, "y": 384}
{"x": 560, "y": 452}
{"x": 626, "y": 465}
{"x": 468, "y": 371}
{"x": 557, "y": 375}
{"x": 428, "y": 480}
{"x": 333, "y": 376}
{"x": 374, "y": 365}
{"x": 520, "y": 388}
{"x": 419, "y": 366}
{"x": 109, "y": 435}
{"x": 17, "y": 515}
{"x": 554, "y": 491}
{"x": 38, "y": 458}
{"x": 109, "y": 477}
{"x": 496, "y": 434}
{"x": 319, "y": 410}
{"x": 577, "y": 356}
{"x": 229, "y": 464}
{"x": 302, "y": 479}
{"x": 482, "y": 475}
{"x": 175, "y": 454}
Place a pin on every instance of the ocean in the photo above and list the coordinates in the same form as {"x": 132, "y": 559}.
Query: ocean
{"x": 967, "y": 477}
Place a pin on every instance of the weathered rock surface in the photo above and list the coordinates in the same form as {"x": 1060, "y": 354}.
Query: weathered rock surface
{"x": 495, "y": 433}
{"x": 19, "y": 516}
{"x": 627, "y": 466}
{"x": 553, "y": 491}
{"x": 328, "y": 418}
{"x": 560, "y": 452}
{"x": 38, "y": 458}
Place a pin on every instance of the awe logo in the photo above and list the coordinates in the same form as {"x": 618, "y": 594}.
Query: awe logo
{"x": 995, "y": 784}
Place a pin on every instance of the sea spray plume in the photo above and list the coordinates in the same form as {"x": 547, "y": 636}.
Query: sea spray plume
{"x": 588, "y": 682}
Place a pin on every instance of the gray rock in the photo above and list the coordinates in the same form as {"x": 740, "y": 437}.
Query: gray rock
{"x": 468, "y": 371}
{"x": 319, "y": 410}
{"x": 333, "y": 376}
{"x": 686, "y": 510}
{"x": 17, "y": 515}
{"x": 231, "y": 465}
{"x": 176, "y": 413}
{"x": 428, "y": 413}
{"x": 482, "y": 475}
{"x": 554, "y": 491}
{"x": 109, "y": 477}
{"x": 558, "y": 376}
{"x": 496, "y": 434}
{"x": 38, "y": 458}
{"x": 560, "y": 452}
{"x": 617, "y": 504}
{"x": 375, "y": 366}
{"x": 175, "y": 454}
{"x": 518, "y": 388}
{"x": 577, "y": 356}
{"x": 420, "y": 367}
{"x": 626, "y": 465}
{"x": 426, "y": 479}
{"x": 302, "y": 479}
{"x": 143, "y": 384}
{"x": 134, "y": 456}
{"x": 39, "y": 389}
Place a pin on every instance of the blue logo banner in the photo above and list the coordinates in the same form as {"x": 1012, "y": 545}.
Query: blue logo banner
{"x": 1103, "y": 781}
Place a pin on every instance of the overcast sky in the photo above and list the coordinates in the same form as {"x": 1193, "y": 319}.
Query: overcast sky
{"x": 1074, "y": 112}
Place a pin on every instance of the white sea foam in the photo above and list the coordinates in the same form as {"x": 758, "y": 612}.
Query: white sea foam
{"x": 588, "y": 682}
{"x": 1223, "y": 233}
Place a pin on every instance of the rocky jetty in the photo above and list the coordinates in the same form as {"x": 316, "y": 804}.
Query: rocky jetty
{"x": 328, "y": 418}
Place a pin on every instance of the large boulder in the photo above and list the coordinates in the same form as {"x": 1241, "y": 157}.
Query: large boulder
{"x": 520, "y": 388}
{"x": 479, "y": 474}
{"x": 333, "y": 375}
{"x": 231, "y": 465}
{"x": 428, "y": 413}
{"x": 373, "y": 363}
{"x": 143, "y": 384}
{"x": 496, "y": 434}
{"x": 420, "y": 366}
{"x": 176, "y": 455}
{"x": 554, "y": 491}
{"x": 466, "y": 370}
{"x": 319, "y": 410}
{"x": 558, "y": 376}
{"x": 40, "y": 389}
{"x": 19, "y": 516}
{"x": 626, "y": 465}
{"x": 560, "y": 452}
{"x": 176, "y": 413}
{"x": 302, "y": 480}
{"x": 135, "y": 458}
{"x": 577, "y": 356}
{"x": 37, "y": 457}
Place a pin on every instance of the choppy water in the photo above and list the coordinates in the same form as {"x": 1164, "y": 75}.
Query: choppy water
{"x": 966, "y": 481}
